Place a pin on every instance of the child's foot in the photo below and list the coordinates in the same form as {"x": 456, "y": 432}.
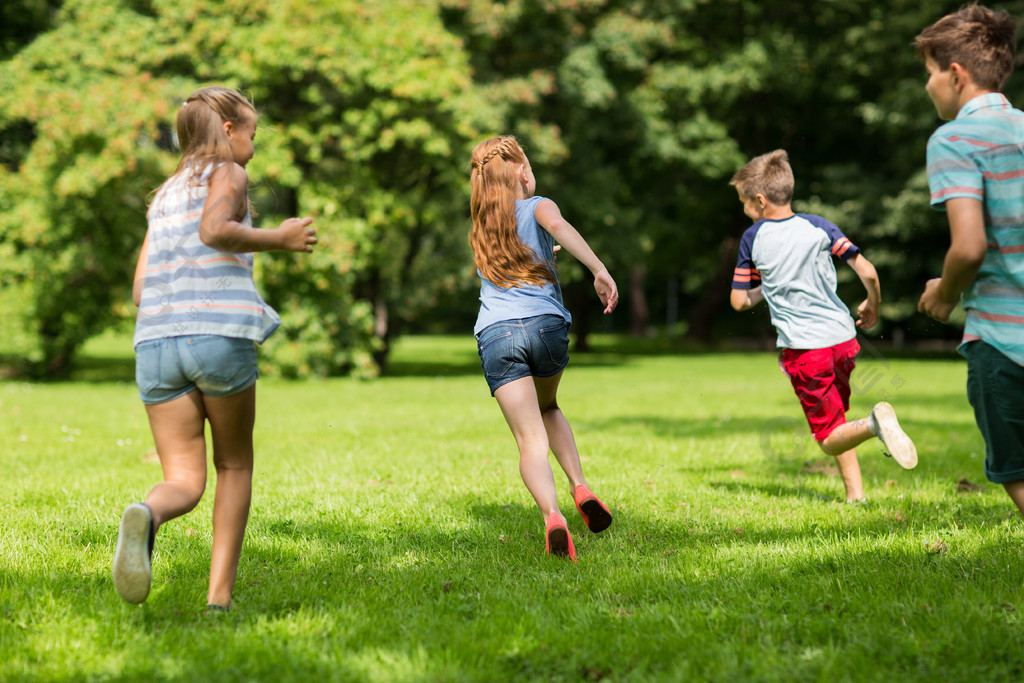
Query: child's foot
{"x": 595, "y": 515}
{"x": 559, "y": 542}
{"x": 132, "y": 568}
{"x": 886, "y": 427}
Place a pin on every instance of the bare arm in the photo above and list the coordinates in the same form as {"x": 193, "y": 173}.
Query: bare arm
{"x": 225, "y": 206}
{"x": 550, "y": 218}
{"x": 139, "y": 283}
{"x": 967, "y": 248}
{"x": 745, "y": 299}
{"x": 868, "y": 309}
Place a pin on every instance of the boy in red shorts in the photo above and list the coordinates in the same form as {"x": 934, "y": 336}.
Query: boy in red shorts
{"x": 785, "y": 259}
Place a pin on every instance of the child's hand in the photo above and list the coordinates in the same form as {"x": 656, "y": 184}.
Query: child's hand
{"x": 868, "y": 313}
{"x": 933, "y": 304}
{"x": 606, "y": 290}
{"x": 296, "y": 235}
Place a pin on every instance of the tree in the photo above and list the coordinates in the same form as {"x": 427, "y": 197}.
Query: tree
{"x": 588, "y": 87}
{"x": 641, "y": 111}
{"x": 23, "y": 20}
{"x": 364, "y": 107}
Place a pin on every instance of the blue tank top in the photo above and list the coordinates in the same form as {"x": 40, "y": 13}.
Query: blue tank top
{"x": 524, "y": 301}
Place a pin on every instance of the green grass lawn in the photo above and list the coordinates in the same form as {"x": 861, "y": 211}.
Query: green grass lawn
{"x": 391, "y": 538}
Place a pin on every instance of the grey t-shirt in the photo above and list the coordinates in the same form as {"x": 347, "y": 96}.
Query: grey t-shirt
{"x": 791, "y": 259}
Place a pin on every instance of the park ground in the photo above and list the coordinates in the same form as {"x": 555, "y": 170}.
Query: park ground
{"x": 391, "y": 538}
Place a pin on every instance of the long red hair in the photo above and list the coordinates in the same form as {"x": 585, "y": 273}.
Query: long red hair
{"x": 500, "y": 256}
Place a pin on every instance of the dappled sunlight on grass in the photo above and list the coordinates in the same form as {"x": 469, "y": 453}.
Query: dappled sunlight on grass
{"x": 391, "y": 537}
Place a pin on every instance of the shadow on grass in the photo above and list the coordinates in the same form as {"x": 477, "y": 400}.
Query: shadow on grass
{"x": 99, "y": 369}
{"x": 328, "y": 596}
{"x": 773, "y": 490}
{"x": 427, "y": 368}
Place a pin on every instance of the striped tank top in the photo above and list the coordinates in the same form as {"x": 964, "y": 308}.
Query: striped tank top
{"x": 190, "y": 288}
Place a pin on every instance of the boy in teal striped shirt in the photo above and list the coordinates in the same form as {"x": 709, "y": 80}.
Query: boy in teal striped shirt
{"x": 976, "y": 175}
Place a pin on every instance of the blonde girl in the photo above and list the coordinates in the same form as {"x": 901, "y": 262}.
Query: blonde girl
{"x": 200, "y": 318}
{"x": 522, "y": 328}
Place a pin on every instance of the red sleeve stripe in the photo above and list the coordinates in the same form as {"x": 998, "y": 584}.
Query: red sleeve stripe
{"x": 974, "y": 141}
{"x": 746, "y": 275}
{"x": 840, "y": 247}
{"x": 959, "y": 189}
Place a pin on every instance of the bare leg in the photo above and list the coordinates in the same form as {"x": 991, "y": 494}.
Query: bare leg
{"x": 178, "y": 432}
{"x": 840, "y": 443}
{"x": 231, "y": 424}
{"x": 518, "y": 403}
{"x": 849, "y": 468}
{"x": 563, "y": 444}
{"x": 846, "y": 437}
{"x": 1016, "y": 491}
{"x": 181, "y": 444}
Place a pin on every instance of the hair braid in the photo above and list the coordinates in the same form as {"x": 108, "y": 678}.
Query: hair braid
{"x": 505, "y": 149}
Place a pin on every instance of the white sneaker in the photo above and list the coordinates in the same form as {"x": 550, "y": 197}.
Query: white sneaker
{"x": 896, "y": 443}
{"x": 133, "y": 572}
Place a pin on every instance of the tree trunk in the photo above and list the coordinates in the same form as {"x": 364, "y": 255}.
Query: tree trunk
{"x": 577, "y": 299}
{"x": 705, "y": 311}
{"x": 381, "y": 320}
{"x": 639, "y": 315}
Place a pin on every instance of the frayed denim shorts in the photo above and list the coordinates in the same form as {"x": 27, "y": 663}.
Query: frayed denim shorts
{"x": 168, "y": 368}
{"x": 531, "y": 347}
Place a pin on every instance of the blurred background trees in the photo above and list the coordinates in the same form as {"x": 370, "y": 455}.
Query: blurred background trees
{"x": 634, "y": 114}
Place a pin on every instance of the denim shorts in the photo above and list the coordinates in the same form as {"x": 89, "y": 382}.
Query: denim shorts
{"x": 168, "y": 368}
{"x": 531, "y": 347}
{"x": 995, "y": 388}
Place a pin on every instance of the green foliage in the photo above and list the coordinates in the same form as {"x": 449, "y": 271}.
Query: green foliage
{"x": 363, "y": 105}
{"x": 639, "y": 112}
{"x": 22, "y": 20}
{"x": 635, "y": 115}
{"x": 73, "y": 192}
{"x": 615, "y": 103}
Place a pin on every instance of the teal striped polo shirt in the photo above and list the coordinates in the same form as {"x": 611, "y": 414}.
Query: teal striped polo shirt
{"x": 980, "y": 155}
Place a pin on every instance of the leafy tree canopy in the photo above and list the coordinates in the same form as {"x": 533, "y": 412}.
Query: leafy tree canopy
{"x": 635, "y": 114}
{"x": 363, "y": 108}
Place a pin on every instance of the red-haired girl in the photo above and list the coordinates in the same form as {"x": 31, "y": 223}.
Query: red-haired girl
{"x": 522, "y": 328}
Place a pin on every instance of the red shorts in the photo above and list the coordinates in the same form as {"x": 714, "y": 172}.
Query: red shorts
{"x": 821, "y": 379}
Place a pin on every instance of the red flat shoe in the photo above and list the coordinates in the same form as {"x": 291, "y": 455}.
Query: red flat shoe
{"x": 558, "y": 541}
{"x": 595, "y": 515}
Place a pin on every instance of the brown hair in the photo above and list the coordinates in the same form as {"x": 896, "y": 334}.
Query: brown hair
{"x": 768, "y": 174}
{"x": 977, "y": 38}
{"x": 200, "y": 127}
{"x": 500, "y": 255}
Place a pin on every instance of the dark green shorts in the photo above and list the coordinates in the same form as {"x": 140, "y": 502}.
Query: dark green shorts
{"x": 995, "y": 388}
